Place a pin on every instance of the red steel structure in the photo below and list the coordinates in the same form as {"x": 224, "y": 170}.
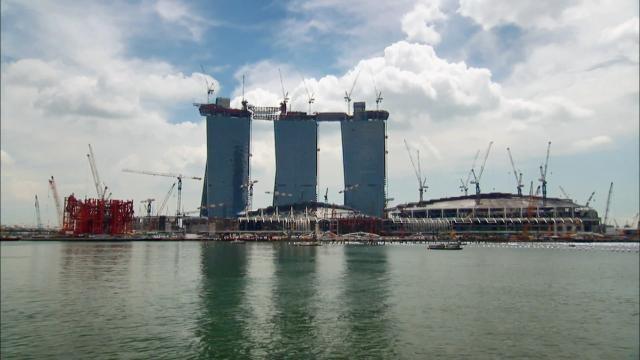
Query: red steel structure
{"x": 97, "y": 216}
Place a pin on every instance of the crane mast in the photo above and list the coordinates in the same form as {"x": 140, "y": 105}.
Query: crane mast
{"x": 543, "y": 173}
{"x": 56, "y": 199}
{"x": 515, "y": 173}
{"x": 464, "y": 185}
{"x": 476, "y": 178}
{"x": 418, "y": 171}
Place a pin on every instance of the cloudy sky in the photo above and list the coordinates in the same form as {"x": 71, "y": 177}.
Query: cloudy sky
{"x": 454, "y": 74}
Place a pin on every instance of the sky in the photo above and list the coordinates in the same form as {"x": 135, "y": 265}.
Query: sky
{"x": 454, "y": 75}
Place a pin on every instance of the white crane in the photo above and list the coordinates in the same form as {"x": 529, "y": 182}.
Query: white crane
{"x": 56, "y": 199}
{"x": 166, "y": 198}
{"x": 310, "y": 98}
{"x": 476, "y": 178}
{"x": 589, "y": 199}
{"x": 38, "y": 218}
{"x": 422, "y": 182}
{"x": 210, "y": 87}
{"x": 101, "y": 188}
{"x": 378, "y": 93}
{"x": 177, "y": 176}
{"x": 516, "y": 173}
{"x": 606, "y": 211}
{"x": 564, "y": 193}
{"x": 543, "y": 172}
{"x": 464, "y": 185}
{"x": 347, "y": 95}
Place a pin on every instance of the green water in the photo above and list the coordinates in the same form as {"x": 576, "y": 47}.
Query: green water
{"x": 203, "y": 300}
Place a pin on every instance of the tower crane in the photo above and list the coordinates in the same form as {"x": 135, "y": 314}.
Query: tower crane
{"x": 589, "y": 199}
{"x": 166, "y": 198}
{"x": 285, "y": 96}
{"x": 101, "y": 188}
{"x": 249, "y": 187}
{"x": 148, "y": 205}
{"x": 38, "y": 218}
{"x": 422, "y": 182}
{"x": 326, "y": 195}
{"x": 464, "y": 185}
{"x": 177, "y": 176}
{"x": 476, "y": 178}
{"x": 210, "y": 87}
{"x": 378, "y": 93}
{"x": 56, "y": 199}
{"x": 310, "y": 98}
{"x": 347, "y": 95}
{"x": 606, "y": 211}
{"x": 516, "y": 173}
{"x": 543, "y": 173}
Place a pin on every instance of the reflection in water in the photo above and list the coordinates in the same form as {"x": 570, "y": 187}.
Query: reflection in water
{"x": 366, "y": 300}
{"x": 221, "y": 324}
{"x": 294, "y": 296}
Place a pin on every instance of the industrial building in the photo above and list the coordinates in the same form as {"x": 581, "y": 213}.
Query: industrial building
{"x": 502, "y": 213}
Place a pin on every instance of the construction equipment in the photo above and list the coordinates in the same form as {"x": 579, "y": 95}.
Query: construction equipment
{"x": 164, "y": 201}
{"x": 285, "y": 96}
{"x": 543, "y": 173}
{"x": 516, "y": 173}
{"x": 349, "y": 188}
{"x": 464, "y": 185}
{"x": 210, "y": 87}
{"x": 177, "y": 176}
{"x": 564, "y": 193}
{"x": 476, "y": 178}
{"x": 347, "y": 95}
{"x": 606, "y": 211}
{"x": 326, "y": 195}
{"x": 148, "y": 205}
{"x": 310, "y": 98}
{"x": 422, "y": 182}
{"x": 56, "y": 199}
{"x": 249, "y": 186}
{"x": 378, "y": 93}
{"x": 101, "y": 188}
{"x": 38, "y": 218}
{"x": 589, "y": 199}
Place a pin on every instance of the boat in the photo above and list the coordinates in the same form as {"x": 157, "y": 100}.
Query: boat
{"x": 445, "y": 246}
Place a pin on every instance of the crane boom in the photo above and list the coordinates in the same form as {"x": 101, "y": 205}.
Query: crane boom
{"x": 543, "y": 172}
{"x": 164, "y": 201}
{"x": 515, "y": 173}
{"x": 38, "y": 218}
{"x": 56, "y": 199}
{"x": 564, "y": 192}
{"x": 589, "y": 199}
{"x": 100, "y": 189}
{"x": 476, "y": 178}
{"x": 606, "y": 211}
{"x": 173, "y": 175}
{"x": 417, "y": 170}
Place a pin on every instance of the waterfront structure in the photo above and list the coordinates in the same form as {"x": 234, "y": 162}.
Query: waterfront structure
{"x": 364, "y": 156}
{"x": 225, "y": 191}
{"x": 296, "y": 149}
{"x": 501, "y": 213}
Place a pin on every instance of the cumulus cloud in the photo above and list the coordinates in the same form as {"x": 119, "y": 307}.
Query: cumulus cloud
{"x": 524, "y": 13}
{"x": 177, "y": 12}
{"x": 418, "y": 24}
{"x": 590, "y": 143}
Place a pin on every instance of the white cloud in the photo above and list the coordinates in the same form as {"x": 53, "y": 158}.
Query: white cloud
{"x": 176, "y": 12}
{"x": 590, "y": 143}
{"x": 418, "y": 23}
{"x": 525, "y": 13}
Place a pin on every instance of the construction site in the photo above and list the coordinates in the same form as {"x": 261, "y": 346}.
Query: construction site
{"x": 226, "y": 211}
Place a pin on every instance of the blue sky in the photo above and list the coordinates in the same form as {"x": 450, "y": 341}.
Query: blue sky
{"x": 455, "y": 75}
